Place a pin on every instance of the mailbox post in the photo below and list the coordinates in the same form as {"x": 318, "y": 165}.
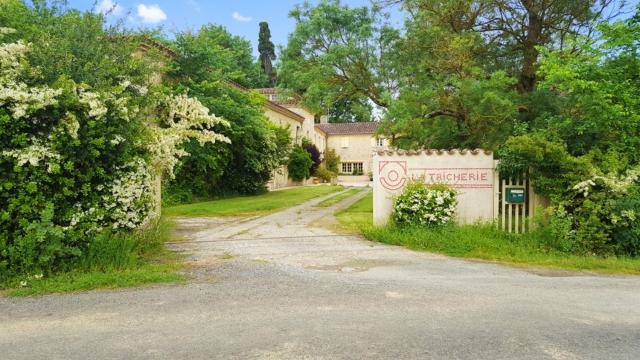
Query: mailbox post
{"x": 515, "y": 195}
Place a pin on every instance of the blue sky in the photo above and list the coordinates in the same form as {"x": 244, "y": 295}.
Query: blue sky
{"x": 240, "y": 17}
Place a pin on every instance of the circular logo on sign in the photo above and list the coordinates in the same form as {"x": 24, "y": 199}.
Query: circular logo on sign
{"x": 393, "y": 174}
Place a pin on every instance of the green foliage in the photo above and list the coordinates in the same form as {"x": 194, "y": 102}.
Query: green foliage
{"x": 333, "y": 57}
{"x": 331, "y": 160}
{"x": 626, "y": 235}
{"x": 206, "y": 60}
{"x": 41, "y": 247}
{"x": 486, "y": 242}
{"x": 586, "y": 136}
{"x": 313, "y": 152}
{"x": 553, "y": 170}
{"x": 447, "y": 99}
{"x": 60, "y": 167}
{"x": 325, "y": 174}
{"x": 267, "y": 52}
{"x": 77, "y": 45}
{"x": 82, "y": 136}
{"x": 421, "y": 204}
{"x": 300, "y": 162}
{"x": 212, "y": 54}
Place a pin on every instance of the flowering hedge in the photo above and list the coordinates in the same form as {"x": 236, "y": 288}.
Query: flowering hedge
{"x": 76, "y": 162}
{"x": 421, "y": 204}
{"x": 602, "y": 216}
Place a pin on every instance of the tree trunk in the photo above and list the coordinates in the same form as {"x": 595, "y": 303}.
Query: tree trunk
{"x": 527, "y": 81}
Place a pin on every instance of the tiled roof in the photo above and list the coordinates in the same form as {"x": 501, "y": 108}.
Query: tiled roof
{"x": 274, "y": 96}
{"x": 354, "y": 128}
{"x": 266, "y": 90}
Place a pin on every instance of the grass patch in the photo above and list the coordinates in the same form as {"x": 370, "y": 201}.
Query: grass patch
{"x": 336, "y": 199}
{"x": 113, "y": 260}
{"x": 81, "y": 281}
{"x": 357, "y": 216}
{"x": 252, "y": 205}
{"x": 483, "y": 242}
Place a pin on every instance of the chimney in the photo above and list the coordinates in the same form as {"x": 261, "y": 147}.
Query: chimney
{"x": 324, "y": 119}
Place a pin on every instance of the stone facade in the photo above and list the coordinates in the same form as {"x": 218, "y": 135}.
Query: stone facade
{"x": 355, "y": 143}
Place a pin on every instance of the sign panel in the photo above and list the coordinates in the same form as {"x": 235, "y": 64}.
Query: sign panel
{"x": 472, "y": 173}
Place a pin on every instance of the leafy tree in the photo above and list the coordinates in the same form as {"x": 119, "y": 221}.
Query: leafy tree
{"x": 205, "y": 61}
{"x": 300, "y": 162}
{"x": 336, "y": 57}
{"x": 267, "y": 53}
{"x": 446, "y": 98}
{"x": 514, "y": 30}
{"x": 214, "y": 53}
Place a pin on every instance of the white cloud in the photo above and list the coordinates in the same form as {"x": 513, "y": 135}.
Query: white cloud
{"x": 108, "y": 6}
{"x": 151, "y": 13}
{"x": 236, "y": 16}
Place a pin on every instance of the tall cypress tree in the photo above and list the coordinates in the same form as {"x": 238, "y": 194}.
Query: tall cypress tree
{"x": 267, "y": 52}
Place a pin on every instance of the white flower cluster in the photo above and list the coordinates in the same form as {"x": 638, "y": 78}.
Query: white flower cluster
{"x": 34, "y": 154}
{"x": 126, "y": 203}
{"x": 186, "y": 118}
{"x": 421, "y": 205}
{"x": 97, "y": 108}
{"x": 614, "y": 183}
{"x": 19, "y": 98}
{"x": 138, "y": 89}
{"x": 129, "y": 201}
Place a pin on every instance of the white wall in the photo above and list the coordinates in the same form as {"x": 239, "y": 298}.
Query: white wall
{"x": 472, "y": 173}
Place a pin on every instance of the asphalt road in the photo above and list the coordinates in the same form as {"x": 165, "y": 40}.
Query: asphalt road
{"x": 285, "y": 287}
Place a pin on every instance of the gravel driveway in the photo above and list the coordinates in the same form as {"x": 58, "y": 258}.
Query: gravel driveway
{"x": 286, "y": 286}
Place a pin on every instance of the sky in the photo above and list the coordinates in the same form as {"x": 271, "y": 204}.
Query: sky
{"x": 240, "y": 17}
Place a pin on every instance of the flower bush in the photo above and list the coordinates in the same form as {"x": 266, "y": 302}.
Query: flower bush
{"x": 602, "y": 217}
{"x": 422, "y": 204}
{"x": 77, "y": 162}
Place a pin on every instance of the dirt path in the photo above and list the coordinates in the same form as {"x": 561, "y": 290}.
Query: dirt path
{"x": 303, "y": 236}
{"x": 285, "y": 286}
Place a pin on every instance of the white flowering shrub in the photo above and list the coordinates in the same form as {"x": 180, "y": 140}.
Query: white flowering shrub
{"x": 602, "y": 216}
{"x": 78, "y": 162}
{"x": 421, "y": 204}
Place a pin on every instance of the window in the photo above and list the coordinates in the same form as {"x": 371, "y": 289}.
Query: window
{"x": 345, "y": 142}
{"x": 354, "y": 168}
{"x": 379, "y": 142}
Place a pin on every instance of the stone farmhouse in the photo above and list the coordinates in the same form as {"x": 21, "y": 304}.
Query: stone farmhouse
{"x": 354, "y": 142}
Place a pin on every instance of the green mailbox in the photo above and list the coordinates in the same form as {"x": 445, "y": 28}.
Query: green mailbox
{"x": 515, "y": 195}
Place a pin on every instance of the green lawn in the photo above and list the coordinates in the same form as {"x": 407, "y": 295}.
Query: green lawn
{"x": 252, "y": 205}
{"x": 482, "y": 242}
{"x": 336, "y": 199}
